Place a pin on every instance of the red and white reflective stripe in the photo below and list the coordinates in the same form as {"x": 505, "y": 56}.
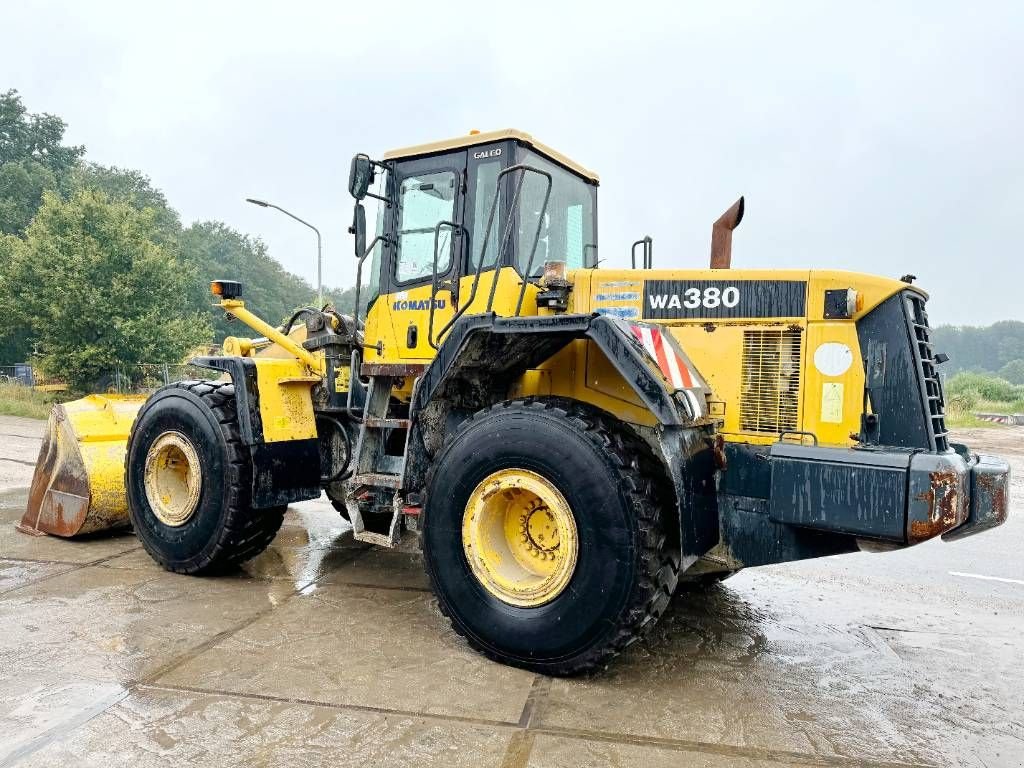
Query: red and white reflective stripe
{"x": 661, "y": 351}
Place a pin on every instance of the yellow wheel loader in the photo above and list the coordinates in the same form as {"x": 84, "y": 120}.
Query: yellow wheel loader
{"x": 571, "y": 444}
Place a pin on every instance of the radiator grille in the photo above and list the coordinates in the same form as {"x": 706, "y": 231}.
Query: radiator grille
{"x": 769, "y": 399}
{"x": 931, "y": 385}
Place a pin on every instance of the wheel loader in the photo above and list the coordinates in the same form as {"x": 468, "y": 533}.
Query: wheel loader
{"x": 571, "y": 444}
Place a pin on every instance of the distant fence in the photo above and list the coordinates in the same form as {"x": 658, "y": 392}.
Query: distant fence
{"x": 1016, "y": 419}
{"x": 17, "y": 374}
{"x": 123, "y": 379}
{"x": 148, "y": 377}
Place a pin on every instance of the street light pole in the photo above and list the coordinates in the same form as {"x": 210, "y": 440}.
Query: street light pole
{"x": 319, "y": 246}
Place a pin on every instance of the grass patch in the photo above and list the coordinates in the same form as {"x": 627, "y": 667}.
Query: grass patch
{"x": 961, "y": 420}
{"x": 18, "y": 400}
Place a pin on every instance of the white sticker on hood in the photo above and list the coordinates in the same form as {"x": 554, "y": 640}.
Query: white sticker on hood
{"x": 833, "y": 358}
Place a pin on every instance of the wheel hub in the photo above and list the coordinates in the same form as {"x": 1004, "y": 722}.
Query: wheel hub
{"x": 173, "y": 478}
{"x": 539, "y": 531}
{"x": 519, "y": 536}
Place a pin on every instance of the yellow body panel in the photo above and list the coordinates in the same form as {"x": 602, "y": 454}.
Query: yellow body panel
{"x": 826, "y": 401}
{"x": 391, "y": 315}
{"x": 830, "y": 405}
{"x": 286, "y": 407}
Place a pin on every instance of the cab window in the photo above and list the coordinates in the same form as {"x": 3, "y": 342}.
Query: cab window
{"x": 424, "y": 201}
{"x": 486, "y": 188}
{"x": 567, "y": 230}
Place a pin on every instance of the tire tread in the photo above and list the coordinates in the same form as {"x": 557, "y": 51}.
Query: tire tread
{"x": 640, "y": 474}
{"x": 245, "y": 532}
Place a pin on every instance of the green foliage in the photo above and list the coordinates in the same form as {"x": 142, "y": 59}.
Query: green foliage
{"x": 33, "y": 159}
{"x": 15, "y": 335}
{"x": 980, "y": 349}
{"x": 93, "y": 285}
{"x": 19, "y": 400}
{"x": 1013, "y": 372}
{"x": 963, "y": 400}
{"x": 988, "y": 387}
{"x": 135, "y": 189}
{"x": 22, "y": 183}
{"x": 96, "y": 270}
{"x": 215, "y": 250}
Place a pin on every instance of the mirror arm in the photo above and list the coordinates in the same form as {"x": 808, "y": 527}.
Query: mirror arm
{"x": 379, "y": 197}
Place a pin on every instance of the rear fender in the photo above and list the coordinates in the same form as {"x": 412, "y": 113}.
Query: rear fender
{"x": 483, "y": 353}
{"x": 277, "y": 423}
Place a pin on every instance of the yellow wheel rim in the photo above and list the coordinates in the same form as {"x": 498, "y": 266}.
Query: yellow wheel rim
{"x": 173, "y": 478}
{"x": 519, "y": 536}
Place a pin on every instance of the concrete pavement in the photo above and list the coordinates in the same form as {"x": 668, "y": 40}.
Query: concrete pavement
{"x": 323, "y": 651}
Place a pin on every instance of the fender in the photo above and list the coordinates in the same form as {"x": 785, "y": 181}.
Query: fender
{"x": 285, "y": 462}
{"x": 484, "y": 352}
{"x": 515, "y": 344}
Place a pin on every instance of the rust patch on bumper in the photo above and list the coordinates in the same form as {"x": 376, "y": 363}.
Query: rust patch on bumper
{"x": 994, "y": 489}
{"x": 947, "y": 504}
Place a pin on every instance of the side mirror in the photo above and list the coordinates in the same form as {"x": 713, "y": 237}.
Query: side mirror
{"x": 360, "y": 175}
{"x": 358, "y": 229}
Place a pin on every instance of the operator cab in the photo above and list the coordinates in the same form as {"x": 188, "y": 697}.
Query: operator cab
{"x": 439, "y": 220}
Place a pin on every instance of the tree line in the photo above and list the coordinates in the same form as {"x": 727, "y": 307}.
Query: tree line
{"x": 97, "y": 270}
{"x": 997, "y": 349}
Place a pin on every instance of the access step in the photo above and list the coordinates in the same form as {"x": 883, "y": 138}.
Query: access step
{"x": 377, "y": 479}
{"x": 377, "y": 422}
{"x": 395, "y": 370}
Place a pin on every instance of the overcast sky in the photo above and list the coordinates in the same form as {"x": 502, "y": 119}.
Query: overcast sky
{"x": 882, "y": 137}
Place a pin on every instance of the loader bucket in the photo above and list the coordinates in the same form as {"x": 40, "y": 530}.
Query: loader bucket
{"x": 78, "y": 485}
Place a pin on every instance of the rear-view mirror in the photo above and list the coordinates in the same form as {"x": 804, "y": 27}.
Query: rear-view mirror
{"x": 358, "y": 229}
{"x": 360, "y": 176}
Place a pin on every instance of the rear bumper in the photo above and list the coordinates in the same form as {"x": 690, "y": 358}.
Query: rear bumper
{"x": 892, "y": 495}
{"x": 989, "y": 500}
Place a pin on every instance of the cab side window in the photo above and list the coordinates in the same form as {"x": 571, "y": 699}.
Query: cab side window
{"x": 424, "y": 201}
{"x": 486, "y": 189}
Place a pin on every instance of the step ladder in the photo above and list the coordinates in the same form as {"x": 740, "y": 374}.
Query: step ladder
{"x": 374, "y": 468}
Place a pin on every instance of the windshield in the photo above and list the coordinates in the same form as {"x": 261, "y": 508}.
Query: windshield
{"x": 568, "y": 227}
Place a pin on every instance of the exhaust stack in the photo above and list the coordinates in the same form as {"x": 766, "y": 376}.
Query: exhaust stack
{"x": 721, "y": 236}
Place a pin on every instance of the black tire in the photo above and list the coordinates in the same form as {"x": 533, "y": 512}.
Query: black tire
{"x": 627, "y": 564}
{"x": 224, "y": 530}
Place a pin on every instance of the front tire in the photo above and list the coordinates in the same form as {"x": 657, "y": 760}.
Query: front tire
{"x": 549, "y": 457}
{"x": 189, "y": 481}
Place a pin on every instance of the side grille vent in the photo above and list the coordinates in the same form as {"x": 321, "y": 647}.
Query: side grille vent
{"x": 931, "y": 385}
{"x": 771, "y": 381}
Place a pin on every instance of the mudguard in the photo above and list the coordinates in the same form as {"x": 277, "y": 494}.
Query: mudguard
{"x": 484, "y": 352}
{"x": 285, "y": 464}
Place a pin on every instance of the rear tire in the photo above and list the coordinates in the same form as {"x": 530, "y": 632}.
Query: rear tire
{"x": 625, "y": 562}
{"x": 214, "y": 527}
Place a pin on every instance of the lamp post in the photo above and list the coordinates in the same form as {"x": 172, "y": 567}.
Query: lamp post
{"x": 319, "y": 246}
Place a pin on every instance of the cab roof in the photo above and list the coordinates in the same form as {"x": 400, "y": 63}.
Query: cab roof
{"x": 487, "y": 137}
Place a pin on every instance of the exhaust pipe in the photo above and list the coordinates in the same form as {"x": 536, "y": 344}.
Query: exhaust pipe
{"x": 721, "y": 236}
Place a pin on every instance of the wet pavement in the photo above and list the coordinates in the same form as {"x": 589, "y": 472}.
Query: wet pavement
{"x": 324, "y": 651}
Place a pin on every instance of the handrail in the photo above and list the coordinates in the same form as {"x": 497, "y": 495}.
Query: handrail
{"x": 533, "y": 250}
{"x": 504, "y": 240}
{"x": 359, "y": 284}
{"x": 434, "y": 285}
{"x": 648, "y": 253}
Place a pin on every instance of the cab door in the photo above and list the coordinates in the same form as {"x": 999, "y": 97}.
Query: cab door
{"x": 427, "y": 219}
